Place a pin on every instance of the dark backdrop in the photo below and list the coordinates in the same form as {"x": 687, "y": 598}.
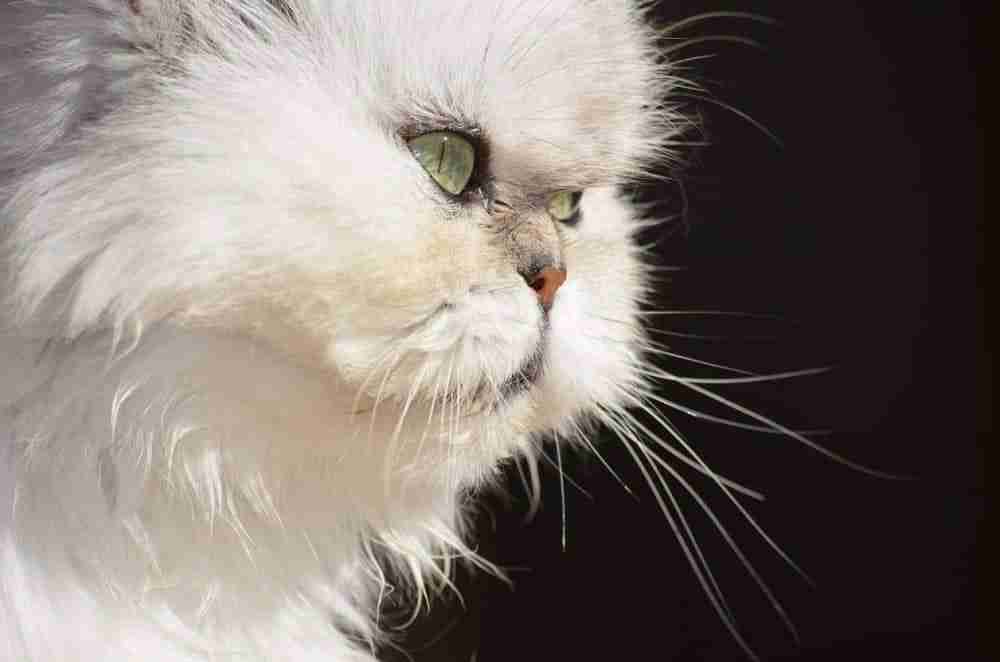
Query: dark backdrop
{"x": 877, "y": 183}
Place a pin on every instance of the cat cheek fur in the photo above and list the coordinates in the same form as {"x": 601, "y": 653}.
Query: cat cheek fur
{"x": 249, "y": 350}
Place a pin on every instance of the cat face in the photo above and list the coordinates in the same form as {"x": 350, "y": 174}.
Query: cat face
{"x": 267, "y": 179}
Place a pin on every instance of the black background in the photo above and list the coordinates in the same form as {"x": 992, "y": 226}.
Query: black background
{"x": 877, "y": 184}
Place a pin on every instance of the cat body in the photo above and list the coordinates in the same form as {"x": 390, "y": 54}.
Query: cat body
{"x": 251, "y": 351}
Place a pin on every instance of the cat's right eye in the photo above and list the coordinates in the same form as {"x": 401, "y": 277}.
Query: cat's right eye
{"x": 448, "y": 157}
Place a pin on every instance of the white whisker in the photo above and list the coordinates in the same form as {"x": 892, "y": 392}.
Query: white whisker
{"x": 593, "y": 449}
{"x": 557, "y": 465}
{"x": 698, "y": 466}
{"x": 562, "y": 493}
{"x": 674, "y": 355}
{"x": 662, "y": 374}
{"x": 723, "y": 421}
{"x": 707, "y": 588}
{"x": 676, "y": 434}
{"x": 675, "y": 26}
{"x": 791, "y": 433}
{"x": 708, "y": 313}
{"x": 775, "y": 604}
{"x": 745, "y": 41}
{"x": 735, "y": 111}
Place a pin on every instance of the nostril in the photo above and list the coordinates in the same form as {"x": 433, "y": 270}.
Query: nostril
{"x": 545, "y": 284}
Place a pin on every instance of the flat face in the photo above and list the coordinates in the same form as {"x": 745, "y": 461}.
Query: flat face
{"x": 310, "y": 269}
{"x": 373, "y": 188}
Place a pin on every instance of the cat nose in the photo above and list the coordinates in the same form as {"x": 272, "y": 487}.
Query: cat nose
{"x": 545, "y": 282}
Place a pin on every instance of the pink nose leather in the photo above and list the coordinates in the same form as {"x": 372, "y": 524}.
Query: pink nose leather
{"x": 546, "y": 283}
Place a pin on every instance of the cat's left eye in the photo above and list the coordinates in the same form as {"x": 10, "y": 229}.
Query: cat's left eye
{"x": 448, "y": 157}
{"x": 564, "y": 206}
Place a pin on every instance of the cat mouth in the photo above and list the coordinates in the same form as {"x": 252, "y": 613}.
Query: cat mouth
{"x": 489, "y": 391}
{"x": 489, "y": 396}
{"x": 526, "y": 376}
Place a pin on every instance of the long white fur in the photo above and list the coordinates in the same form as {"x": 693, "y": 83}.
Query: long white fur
{"x": 245, "y": 340}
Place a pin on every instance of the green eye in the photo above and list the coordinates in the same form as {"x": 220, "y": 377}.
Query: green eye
{"x": 565, "y": 206}
{"x": 448, "y": 157}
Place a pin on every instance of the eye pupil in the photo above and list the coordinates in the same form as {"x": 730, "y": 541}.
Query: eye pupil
{"x": 448, "y": 157}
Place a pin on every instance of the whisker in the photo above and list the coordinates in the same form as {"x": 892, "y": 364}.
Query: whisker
{"x": 765, "y": 589}
{"x": 745, "y": 41}
{"x": 558, "y": 467}
{"x": 793, "y": 434}
{"x": 593, "y": 449}
{"x": 704, "y": 16}
{"x": 562, "y": 492}
{"x": 716, "y": 600}
{"x": 723, "y": 313}
{"x": 674, "y": 355}
{"x": 680, "y": 63}
{"x": 690, "y": 533}
{"x": 739, "y": 113}
{"x": 723, "y": 421}
{"x": 708, "y": 337}
{"x": 676, "y": 434}
{"x": 778, "y": 376}
{"x": 698, "y": 465}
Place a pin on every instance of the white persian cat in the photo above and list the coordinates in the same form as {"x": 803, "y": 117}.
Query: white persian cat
{"x": 282, "y": 281}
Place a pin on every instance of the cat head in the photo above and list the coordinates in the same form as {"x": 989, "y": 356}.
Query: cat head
{"x": 419, "y": 199}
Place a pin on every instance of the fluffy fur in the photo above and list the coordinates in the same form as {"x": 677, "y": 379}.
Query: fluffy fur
{"x": 250, "y": 352}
